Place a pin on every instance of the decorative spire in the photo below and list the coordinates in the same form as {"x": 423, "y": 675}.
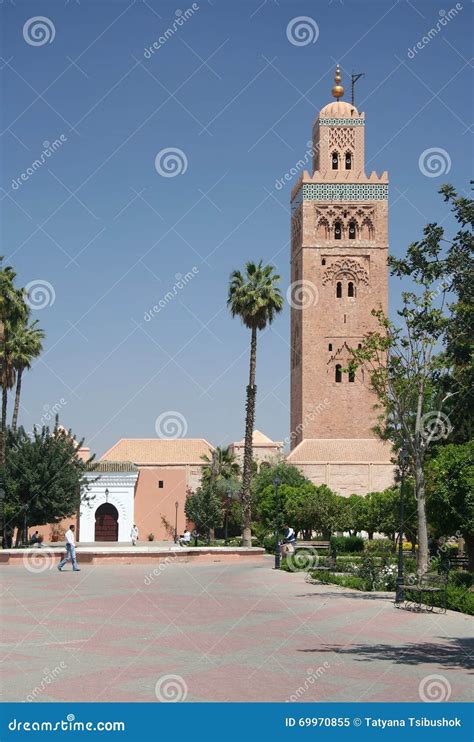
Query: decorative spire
{"x": 338, "y": 89}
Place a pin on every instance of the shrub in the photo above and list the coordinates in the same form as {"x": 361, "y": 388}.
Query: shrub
{"x": 458, "y": 599}
{"x": 269, "y": 543}
{"x": 57, "y": 533}
{"x": 327, "y": 578}
{"x": 346, "y": 544}
{"x": 462, "y": 578}
{"x": 381, "y": 546}
{"x": 151, "y": 537}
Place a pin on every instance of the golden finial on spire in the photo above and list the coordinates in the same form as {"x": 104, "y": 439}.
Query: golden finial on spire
{"x": 338, "y": 89}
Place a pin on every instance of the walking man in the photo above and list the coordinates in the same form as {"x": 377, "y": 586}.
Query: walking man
{"x": 70, "y": 551}
{"x": 134, "y": 535}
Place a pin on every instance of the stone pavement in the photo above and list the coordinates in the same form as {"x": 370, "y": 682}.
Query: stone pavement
{"x": 218, "y": 632}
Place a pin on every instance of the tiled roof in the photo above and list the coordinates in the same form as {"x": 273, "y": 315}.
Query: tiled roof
{"x": 260, "y": 439}
{"x": 159, "y": 451}
{"x": 112, "y": 466}
{"x": 341, "y": 450}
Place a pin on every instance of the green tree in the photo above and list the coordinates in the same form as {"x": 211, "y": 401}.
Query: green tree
{"x": 254, "y": 297}
{"x": 405, "y": 366}
{"x": 26, "y": 344}
{"x": 314, "y": 508}
{"x": 44, "y": 476}
{"x": 450, "y": 478}
{"x": 204, "y": 509}
{"x": 354, "y": 514}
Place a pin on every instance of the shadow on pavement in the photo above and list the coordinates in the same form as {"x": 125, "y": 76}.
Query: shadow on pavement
{"x": 457, "y": 654}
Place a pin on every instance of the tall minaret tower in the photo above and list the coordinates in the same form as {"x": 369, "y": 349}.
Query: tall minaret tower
{"x": 339, "y": 246}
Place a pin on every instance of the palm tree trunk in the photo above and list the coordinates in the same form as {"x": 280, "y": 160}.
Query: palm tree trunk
{"x": 16, "y": 407}
{"x": 248, "y": 452}
{"x": 422, "y": 534}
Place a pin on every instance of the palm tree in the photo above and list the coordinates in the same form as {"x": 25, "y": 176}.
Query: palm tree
{"x": 25, "y": 345}
{"x": 13, "y": 310}
{"x": 256, "y": 299}
{"x": 220, "y": 466}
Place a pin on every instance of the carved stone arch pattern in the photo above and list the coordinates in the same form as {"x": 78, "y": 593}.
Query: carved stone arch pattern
{"x": 342, "y": 138}
{"x": 346, "y": 268}
{"x": 361, "y": 218}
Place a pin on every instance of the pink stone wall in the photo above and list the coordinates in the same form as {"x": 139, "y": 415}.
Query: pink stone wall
{"x": 155, "y": 507}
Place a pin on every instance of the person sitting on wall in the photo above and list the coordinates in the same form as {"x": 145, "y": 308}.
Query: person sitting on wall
{"x": 185, "y": 539}
{"x": 35, "y": 539}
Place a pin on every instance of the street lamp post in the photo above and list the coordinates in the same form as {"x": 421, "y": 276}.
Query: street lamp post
{"x": 399, "y": 593}
{"x": 228, "y": 496}
{"x": 25, "y": 537}
{"x": 176, "y": 522}
{"x": 276, "y": 482}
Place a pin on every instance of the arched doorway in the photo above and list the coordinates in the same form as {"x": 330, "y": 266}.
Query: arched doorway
{"x": 106, "y": 523}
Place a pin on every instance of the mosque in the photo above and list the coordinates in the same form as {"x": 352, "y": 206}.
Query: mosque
{"x": 339, "y": 249}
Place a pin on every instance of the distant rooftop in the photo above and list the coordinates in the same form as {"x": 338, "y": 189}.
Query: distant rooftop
{"x": 159, "y": 451}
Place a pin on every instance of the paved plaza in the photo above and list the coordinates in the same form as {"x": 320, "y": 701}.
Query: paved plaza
{"x": 224, "y": 632}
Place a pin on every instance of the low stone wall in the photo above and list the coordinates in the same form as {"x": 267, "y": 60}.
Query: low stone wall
{"x": 137, "y": 555}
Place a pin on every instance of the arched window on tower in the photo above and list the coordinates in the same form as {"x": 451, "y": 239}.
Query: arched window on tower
{"x": 338, "y": 374}
{"x": 338, "y": 231}
{"x": 338, "y": 290}
{"x": 352, "y": 375}
{"x": 348, "y": 161}
{"x": 335, "y": 161}
{"x": 352, "y": 230}
{"x": 351, "y": 289}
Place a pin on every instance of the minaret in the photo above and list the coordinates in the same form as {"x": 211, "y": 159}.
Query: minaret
{"x": 339, "y": 246}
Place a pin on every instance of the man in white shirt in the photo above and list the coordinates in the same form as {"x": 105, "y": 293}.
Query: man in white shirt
{"x": 134, "y": 535}
{"x": 70, "y": 551}
{"x": 185, "y": 539}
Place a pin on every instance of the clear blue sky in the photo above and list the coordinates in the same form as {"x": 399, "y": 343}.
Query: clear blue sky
{"x": 110, "y": 234}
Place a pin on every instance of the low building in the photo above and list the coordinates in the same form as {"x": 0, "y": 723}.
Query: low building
{"x": 265, "y": 451}
{"x": 346, "y": 466}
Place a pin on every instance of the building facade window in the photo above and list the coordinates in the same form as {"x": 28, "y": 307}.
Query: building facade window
{"x": 335, "y": 161}
{"x": 350, "y": 289}
{"x": 338, "y": 374}
{"x": 352, "y": 231}
{"x": 330, "y": 346}
{"x": 161, "y": 484}
{"x": 352, "y": 375}
{"x": 338, "y": 231}
{"x": 338, "y": 290}
{"x": 348, "y": 160}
